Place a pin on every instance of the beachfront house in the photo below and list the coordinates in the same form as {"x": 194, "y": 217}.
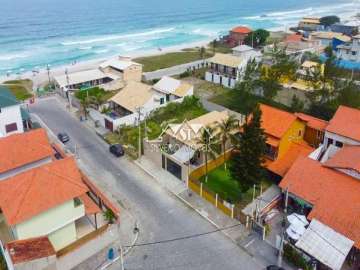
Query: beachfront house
{"x": 178, "y": 150}
{"x": 13, "y": 118}
{"x": 136, "y": 96}
{"x": 326, "y": 38}
{"x": 350, "y": 51}
{"x": 237, "y": 35}
{"x": 309, "y": 24}
{"x": 44, "y": 200}
{"x": 225, "y": 69}
{"x": 110, "y": 75}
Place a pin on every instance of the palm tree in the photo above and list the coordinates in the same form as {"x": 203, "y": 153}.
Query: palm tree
{"x": 214, "y": 45}
{"x": 207, "y": 141}
{"x": 202, "y": 52}
{"x": 226, "y": 127}
{"x": 85, "y": 103}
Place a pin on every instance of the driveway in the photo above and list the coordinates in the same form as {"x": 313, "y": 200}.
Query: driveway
{"x": 161, "y": 216}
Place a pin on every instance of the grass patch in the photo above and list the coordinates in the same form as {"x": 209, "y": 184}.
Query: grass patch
{"x": 20, "y": 88}
{"x": 166, "y": 60}
{"x": 243, "y": 102}
{"x": 172, "y": 113}
{"x": 220, "y": 181}
{"x": 209, "y": 90}
{"x": 95, "y": 92}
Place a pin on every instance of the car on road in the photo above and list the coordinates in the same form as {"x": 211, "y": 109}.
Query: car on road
{"x": 274, "y": 267}
{"x": 63, "y": 137}
{"x": 117, "y": 150}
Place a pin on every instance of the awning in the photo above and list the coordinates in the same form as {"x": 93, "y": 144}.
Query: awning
{"x": 184, "y": 154}
{"x": 324, "y": 244}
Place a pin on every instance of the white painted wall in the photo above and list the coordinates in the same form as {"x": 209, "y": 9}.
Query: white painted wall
{"x": 216, "y": 79}
{"x": 51, "y": 221}
{"x": 339, "y": 138}
{"x": 352, "y": 54}
{"x": 9, "y": 115}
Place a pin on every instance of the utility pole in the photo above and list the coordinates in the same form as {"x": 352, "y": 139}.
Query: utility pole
{"x": 139, "y": 123}
{"x": 48, "y": 72}
{"x": 281, "y": 248}
{"x": 68, "y": 88}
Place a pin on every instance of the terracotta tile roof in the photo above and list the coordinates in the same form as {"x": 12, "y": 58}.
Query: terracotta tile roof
{"x": 24, "y": 148}
{"x": 283, "y": 164}
{"x": 90, "y": 206}
{"x": 272, "y": 141}
{"x": 30, "y": 193}
{"x": 347, "y": 157}
{"x": 293, "y": 38}
{"x": 241, "y": 30}
{"x": 334, "y": 195}
{"x": 30, "y": 249}
{"x": 275, "y": 122}
{"x": 313, "y": 122}
{"x": 346, "y": 122}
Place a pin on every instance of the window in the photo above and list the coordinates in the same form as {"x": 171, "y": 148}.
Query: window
{"x": 167, "y": 97}
{"x": 339, "y": 144}
{"x": 161, "y": 100}
{"x": 330, "y": 141}
{"x": 271, "y": 152}
{"x": 299, "y": 133}
{"x": 11, "y": 127}
{"x": 353, "y": 52}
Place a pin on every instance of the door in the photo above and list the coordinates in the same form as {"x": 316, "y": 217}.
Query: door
{"x": 174, "y": 168}
{"x": 109, "y": 125}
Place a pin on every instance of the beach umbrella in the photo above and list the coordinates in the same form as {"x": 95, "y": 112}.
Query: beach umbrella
{"x": 295, "y": 231}
{"x": 297, "y": 219}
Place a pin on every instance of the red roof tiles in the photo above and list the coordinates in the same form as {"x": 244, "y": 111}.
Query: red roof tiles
{"x": 21, "y": 149}
{"x": 30, "y": 249}
{"x": 313, "y": 122}
{"x": 346, "y": 122}
{"x": 347, "y": 157}
{"x": 276, "y": 122}
{"x": 32, "y": 192}
{"x": 283, "y": 164}
{"x": 241, "y": 30}
{"x": 334, "y": 195}
{"x": 293, "y": 38}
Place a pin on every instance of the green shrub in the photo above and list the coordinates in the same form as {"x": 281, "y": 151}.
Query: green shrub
{"x": 294, "y": 257}
{"x": 3, "y": 265}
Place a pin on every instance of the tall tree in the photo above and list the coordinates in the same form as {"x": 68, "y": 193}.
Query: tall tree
{"x": 207, "y": 142}
{"x": 329, "y": 20}
{"x": 214, "y": 45}
{"x": 250, "y": 78}
{"x": 85, "y": 103}
{"x": 202, "y": 52}
{"x": 226, "y": 128}
{"x": 257, "y": 38}
{"x": 247, "y": 166}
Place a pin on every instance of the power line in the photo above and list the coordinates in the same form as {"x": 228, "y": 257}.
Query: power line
{"x": 186, "y": 237}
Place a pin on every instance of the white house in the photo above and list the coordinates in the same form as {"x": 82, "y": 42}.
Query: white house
{"x": 137, "y": 96}
{"x": 11, "y": 121}
{"x": 225, "y": 69}
{"x": 350, "y": 51}
{"x": 246, "y": 52}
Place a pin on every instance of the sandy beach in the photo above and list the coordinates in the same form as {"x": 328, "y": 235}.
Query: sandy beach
{"x": 41, "y": 77}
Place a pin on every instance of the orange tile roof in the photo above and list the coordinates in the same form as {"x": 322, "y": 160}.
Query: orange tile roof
{"x": 30, "y": 193}
{"x": 275, "y": 122}
{"x": 347, "y": 157}
{"x": 346, "y": 122}
{"x": 334, "y": 195}
{"x": 90, "y": 206}
{"x": 272, "y": 140}
{"x": 283, "y": 164}
{"x": 241, "y": 30}
{"x": 294, "y": 38}
{"x": 30, "y": 249}
{"x": 24, "y": 148}
{"x": 313, "y": 122}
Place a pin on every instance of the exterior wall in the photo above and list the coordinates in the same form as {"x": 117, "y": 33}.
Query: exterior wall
{"x": 63, "y": 237}
{"x": 313, "y": 137}
{"x": 9, "y": 115}
{"x": 47, "y": 263}
{"x": 133, "y": 73}
{"x": 215, "y": 78}
{"x": 294, "y": 134}
{"x": 51, "y": 221}
{"x": 352, "y": 53}
{"x": 338, "y": 138}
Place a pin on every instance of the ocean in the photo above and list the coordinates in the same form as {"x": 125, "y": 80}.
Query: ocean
{"x": 34, "y": 33}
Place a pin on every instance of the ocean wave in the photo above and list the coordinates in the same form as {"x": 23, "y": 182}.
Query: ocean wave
{"x": 115, "y": 37}
{"x": 85, "y": 48}
{"x": 7, "y": 57}
{"x": 101, "y": 51}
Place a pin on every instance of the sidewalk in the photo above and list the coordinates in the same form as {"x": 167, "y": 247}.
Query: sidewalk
{"x": 236, "y": 233}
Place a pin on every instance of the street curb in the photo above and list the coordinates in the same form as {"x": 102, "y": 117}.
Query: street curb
{"x": 193, "y": 208}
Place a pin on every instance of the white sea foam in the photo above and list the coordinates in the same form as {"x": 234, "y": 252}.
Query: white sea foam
{"x": 101, "y": 51}
{"x": 7, "y": 57}
{"x": 85, "y": 48}
{"x": 116, "y": 37}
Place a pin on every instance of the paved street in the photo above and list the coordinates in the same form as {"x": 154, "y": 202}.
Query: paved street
{"x": 161, "y": 216}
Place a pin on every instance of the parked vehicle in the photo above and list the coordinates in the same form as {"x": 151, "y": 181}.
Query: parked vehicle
{"x": 117, "y": 150}
{"x": 274, "y": 267}
{"x": 63, "y": 137}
